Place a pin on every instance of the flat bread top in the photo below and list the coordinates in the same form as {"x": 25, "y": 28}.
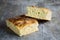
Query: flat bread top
{"x": 22, "y": 20}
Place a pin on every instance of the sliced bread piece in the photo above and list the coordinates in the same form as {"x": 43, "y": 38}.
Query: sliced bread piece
{"x": 39, "y": 13}
{"x": 22, "y": 25}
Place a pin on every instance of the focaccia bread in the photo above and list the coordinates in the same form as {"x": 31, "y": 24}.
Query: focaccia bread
{"x": 22, "y": 25}
{"x": 39, "y": 13}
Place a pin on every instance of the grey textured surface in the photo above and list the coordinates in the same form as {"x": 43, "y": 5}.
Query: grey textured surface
{"x": 47, "y": 30}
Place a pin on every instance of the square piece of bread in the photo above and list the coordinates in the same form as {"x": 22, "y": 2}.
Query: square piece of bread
{"x": 22, "y": 25}
{"x": 39, "y": 13}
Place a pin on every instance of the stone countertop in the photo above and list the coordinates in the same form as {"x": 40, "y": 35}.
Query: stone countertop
{"x": 47, "y": 30}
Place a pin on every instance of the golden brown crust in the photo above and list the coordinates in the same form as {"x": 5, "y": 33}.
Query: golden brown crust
{"x": 22, "y": 21}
